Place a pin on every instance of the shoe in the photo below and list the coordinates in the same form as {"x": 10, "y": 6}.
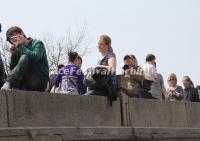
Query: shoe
{"x": 6, "y": 86}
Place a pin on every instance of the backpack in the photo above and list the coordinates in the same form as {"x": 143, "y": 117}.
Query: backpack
{"x": 97, "y": 78}
{"x": 99, "y": 81}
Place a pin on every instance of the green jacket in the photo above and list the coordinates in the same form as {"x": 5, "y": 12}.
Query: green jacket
{"x": 36, "y": 53}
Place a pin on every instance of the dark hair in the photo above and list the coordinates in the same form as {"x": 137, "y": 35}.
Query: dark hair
{"x": 60, "y": 66}
{"x": 72, "y": 56}
{"x": 12, "y": 30}
{"x": 0, "y": 27}
{"x": 150, "y": 57}
{"x": 132, "y": 56}
{"x": 198, "y": 87}
{"x": 79, "y": 57}
{"x": 127, "y": 57}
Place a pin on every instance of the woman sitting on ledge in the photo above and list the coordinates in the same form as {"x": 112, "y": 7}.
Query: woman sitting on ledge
{"x": 107, "y": 61}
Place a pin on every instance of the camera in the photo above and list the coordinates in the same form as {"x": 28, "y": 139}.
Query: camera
{"x": 125, "y": 67}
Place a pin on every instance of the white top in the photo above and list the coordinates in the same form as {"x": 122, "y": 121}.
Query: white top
{"x": 149, "y": 71}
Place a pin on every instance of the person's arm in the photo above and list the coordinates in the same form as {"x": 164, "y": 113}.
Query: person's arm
{"x": 35, "y": 54}
{"x": 81, "y": 85}
{"x": 153, "y": 73}
{"x": 163, "y": 89}
{"x": 178, "y": 93}
{"x": 111, "y": 64}
{"x": 194, "y": 95}
{"x": 57, "y": 80}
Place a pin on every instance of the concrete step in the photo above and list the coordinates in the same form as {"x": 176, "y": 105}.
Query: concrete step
{"x": 98, "y": 134}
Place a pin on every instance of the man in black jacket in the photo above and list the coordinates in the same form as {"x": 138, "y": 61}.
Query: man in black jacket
{"x": 190, "y": 93}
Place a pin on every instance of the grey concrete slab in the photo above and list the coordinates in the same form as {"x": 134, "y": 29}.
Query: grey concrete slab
{"x": 156, "y": 113}
{"x": 193, "y": 113}
{"x": 100, "y": 134}
{"x": 3, "y": 110}
{"x": 44, "y": 109}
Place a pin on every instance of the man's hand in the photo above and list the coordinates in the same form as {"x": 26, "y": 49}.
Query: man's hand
{"x": 16, "y": 40}
{"x": 13, "y": 49}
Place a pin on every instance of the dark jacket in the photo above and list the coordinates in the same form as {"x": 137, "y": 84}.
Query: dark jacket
{"x": 2, "y": 73}
{"x": 191, "y": 94}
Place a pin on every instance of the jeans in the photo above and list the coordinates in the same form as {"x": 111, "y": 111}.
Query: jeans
{"x": 26, "y": 76}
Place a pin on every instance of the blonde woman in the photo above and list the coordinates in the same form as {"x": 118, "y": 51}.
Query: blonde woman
{"x": 174, "y": 91}
{"x": 108, "y": 58}
{"x": 108, "y": 61}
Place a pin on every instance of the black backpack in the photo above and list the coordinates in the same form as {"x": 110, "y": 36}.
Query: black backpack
{"x": 98, "y": 78}
{"x": 99, "y": 82}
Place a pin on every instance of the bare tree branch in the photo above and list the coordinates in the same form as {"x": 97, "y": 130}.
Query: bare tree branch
{"x": 57, "y": 50}
{"x": 5, "y": 55}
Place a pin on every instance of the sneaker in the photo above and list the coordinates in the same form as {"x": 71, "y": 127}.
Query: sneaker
{"x": 6, "y": 86}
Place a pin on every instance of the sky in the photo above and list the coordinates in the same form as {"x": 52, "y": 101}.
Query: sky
{"x": 170, "y": 29}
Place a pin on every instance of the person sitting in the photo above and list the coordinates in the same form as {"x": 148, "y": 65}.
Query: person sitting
{"x": 106, "y": 63}
{"x": 70, "y": 77}
{"x": 29, "y": 65}
{"x": 174, "y": 91}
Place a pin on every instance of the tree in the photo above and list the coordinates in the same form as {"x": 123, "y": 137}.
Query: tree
{"x": 5, "y": 54}
{"x": 57, "y": 50}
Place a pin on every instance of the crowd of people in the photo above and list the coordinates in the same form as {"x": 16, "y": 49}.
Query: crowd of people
{"x": 153, "y": 84}
{"x": 29, "y": 71}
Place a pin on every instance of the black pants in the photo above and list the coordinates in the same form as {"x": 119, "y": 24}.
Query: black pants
{"x": 25, "y": 76}
{"x": 144, "y": 93}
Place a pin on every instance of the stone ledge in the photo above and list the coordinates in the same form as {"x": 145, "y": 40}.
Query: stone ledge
{"x": 100, "y": 133}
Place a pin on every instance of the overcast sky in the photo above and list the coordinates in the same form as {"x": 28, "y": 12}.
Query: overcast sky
{"x": 170, "y": 29}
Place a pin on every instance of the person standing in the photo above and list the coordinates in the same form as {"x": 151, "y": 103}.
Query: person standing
{"x": 158, "y": 90}
{"x": 150, "y": 75}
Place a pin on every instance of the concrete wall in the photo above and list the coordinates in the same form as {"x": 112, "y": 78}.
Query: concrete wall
{"x": 34, "y": 116}
{"x": 21, "y": 108}
{"x": 42, "y": 109}
{"x": 156, "y": 113}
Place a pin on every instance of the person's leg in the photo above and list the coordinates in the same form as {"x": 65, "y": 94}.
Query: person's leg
{"x": 34, "y": 80}
{"x": 17, "y": 73}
